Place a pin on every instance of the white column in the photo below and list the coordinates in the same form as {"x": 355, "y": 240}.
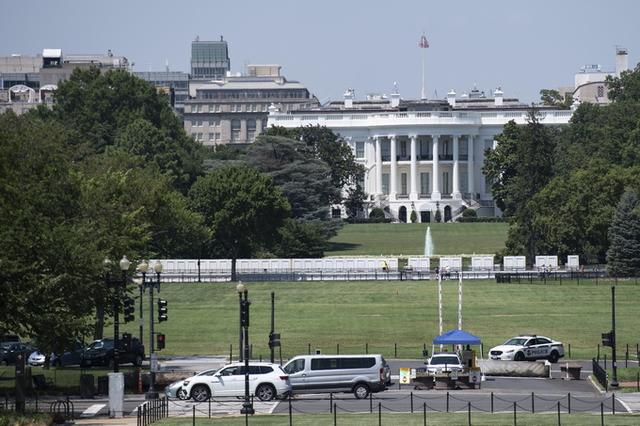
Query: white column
{"x": 394, "y": 169}
{"x": 378, "y": 166}
{"x": 435, "y": 193}
{"x": 470, "y": 174}
{"x": 456, "y": 172}
{"x": 414, "y": 170}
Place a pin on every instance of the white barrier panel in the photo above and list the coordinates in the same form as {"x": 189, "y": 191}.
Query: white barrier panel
{"x": 573, "y": 262}
{"x": 515, "y": 263}
{"x": 452, "y": 263}
{"x": 548, "y": 262}
{"x": 419, "y": 263}
{"x": 482, "y": 263}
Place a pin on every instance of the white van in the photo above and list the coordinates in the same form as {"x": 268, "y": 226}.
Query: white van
{"x": 360, "y": 374}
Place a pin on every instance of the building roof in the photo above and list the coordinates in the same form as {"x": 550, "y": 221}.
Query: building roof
{"x": 51, "y": 53}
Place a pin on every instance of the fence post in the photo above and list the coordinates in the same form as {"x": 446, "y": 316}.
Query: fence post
{"x": 379, "y": 413}
{"x": 309, "y": 348}
{"x": 605, "y": 361}
{"x": 598, "y": 357}
{"x": 469, "y": 412}
{"x": 613, "y": 403}
{"x": 194, "y": 415}
{"x": 366, "y": 348}
{"x": 533, "y": 403}
{"x": 337, "y": 348}
{"x": 411, "y": 402}
{"x": 209, "y": 406}
{"x": 492, "y": 402}
{"x": 395, "y": 350}
{"x": 569, "y": 350}
{"x": 290, "y": 413}
{"x": 231, "y": 352}
{"x": 514, "y": 414}
{"x": 370, "y": 402}
{"x": 626, "y": 357}
{"x": 335, "y": 415}
{"x": 569, "y": 402}
{"x": 330, "y": 402}
{"x": 424, "y": 413}
{"x": 638, "y": 382}
{"x": 447, "y": 402}
{"x": 558, "y": 412}
{"x": 602, "y": 413}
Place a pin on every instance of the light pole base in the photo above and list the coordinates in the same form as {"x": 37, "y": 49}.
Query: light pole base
{"x": 151, "y": 395}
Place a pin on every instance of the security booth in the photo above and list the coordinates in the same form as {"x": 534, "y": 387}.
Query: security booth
{"x": 465, "y": 374}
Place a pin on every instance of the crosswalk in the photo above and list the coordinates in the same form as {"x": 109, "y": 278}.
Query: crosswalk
{"x": 217, "y": 407}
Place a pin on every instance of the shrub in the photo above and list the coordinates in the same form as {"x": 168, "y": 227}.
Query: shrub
{"x": 437, "y": 216}
{"x": 482, "y": 219}
{"x": 413, "y": 217}
{"x": 376, "y": 215}
{"x": 469, "y": 213}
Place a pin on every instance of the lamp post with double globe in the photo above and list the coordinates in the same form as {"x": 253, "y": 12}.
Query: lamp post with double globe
{"x": 247, "y": 406}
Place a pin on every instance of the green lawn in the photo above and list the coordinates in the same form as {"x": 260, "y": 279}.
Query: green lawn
{"x": 203, "y": 318}
{"x": 376, "y": 239}
{"x": 480, "y": 419}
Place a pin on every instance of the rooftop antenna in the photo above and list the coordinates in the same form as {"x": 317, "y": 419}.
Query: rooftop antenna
{"x": 166, "y": 64}
{"x": 424, "y": 44}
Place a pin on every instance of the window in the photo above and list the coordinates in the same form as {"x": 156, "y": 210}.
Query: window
{"x": 403, "y": 149}
{"x": 424, "y": 183}
{"x": 342, "y": 363}
{"x": 211, "y": 108}
{"x": 294, "y": 366}
{"x": 212, "y": 136}
{"x": 324, "y": 363}
{"x": 425, "y": 150}
{"x": 385, "y": 150}
{"x": 464, "y": 180}
{"x": 445, "y": 183}
{"x": 251, "y": 129}
{"x": 194, "y": 108}
{"x": 359, "y": 149}
{"x": 385, "y": 183}
{"x": 235, "y": 130}
{"x": 403, "y": 183}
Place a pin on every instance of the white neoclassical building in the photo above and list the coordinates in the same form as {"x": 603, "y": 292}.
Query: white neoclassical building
{"x": 422, "y": 155}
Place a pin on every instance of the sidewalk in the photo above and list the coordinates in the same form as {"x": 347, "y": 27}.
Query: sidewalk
{"x": 96, "y": 421}
{"x": 630, "y": 400}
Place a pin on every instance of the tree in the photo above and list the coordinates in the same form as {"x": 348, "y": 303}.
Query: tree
{"x": 413, "y": 216}
{"x": 553, "y": 98}
{"x": 623, "y": 256}
{"x": 330, "y": 148}
{"x": 102, "y": 109}
{"x": 243, "y": 209}
{"x": 626, "y": 87}
{"x": 300, "y": 239}
{"x": 438, "y": 215}
{"x": 354, "y": 202}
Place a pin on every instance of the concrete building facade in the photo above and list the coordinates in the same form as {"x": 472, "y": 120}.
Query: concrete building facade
{"x": 234, "y": 109}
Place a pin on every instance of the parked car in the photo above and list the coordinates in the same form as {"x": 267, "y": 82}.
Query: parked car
{"x": 444, "y": 362}
{"x": 266, "y": 382}
{"x": 36, "y": 359}
{"x": 360, "y": 374}
{"x": 72, "y": 357}
{"x": 528, "y": 347}
{"x": 10, "y": 351}
{"x": 100, "y": 352}
{"x": 175, "y": 390}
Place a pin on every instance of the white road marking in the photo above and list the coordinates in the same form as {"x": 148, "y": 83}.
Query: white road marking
{"x": 92, "y": 410}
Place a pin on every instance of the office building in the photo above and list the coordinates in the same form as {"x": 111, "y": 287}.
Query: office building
{"x": 209, "y": 59}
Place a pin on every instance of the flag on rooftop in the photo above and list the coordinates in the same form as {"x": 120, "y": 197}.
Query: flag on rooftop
{"x": 423, "y": 42}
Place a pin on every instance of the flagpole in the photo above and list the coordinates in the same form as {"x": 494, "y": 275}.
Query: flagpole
{"x": 423, "y": 90}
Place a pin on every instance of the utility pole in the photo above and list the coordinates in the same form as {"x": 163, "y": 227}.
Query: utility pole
{"x": 273, "y": 320}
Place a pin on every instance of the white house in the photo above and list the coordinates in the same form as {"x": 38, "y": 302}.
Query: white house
{"x": 422, "y": 155}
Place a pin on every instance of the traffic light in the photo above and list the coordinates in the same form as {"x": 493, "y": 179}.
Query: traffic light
{"x": 244, "y": 313}
{"x": 274, "y": 340}
{"x": 129, "y": 309}
{"x": 162, "y": 310}
{"x": 609, "y": 339}
{"x": 160, "y": 341}
{"x": 126, "y": 342}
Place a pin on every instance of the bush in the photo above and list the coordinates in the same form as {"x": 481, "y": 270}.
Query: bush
{"x": 376, "y": 215}
{"x": 482, "y": 219}
{"x": 367, "y": 220}
{"x": 437, "y": 216}
{"x": 413, "y": 217}
{"x": 469, "y": 213}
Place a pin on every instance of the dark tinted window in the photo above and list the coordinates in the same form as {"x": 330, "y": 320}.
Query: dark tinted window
{"x": 342, "y": 363}
{"x": 265, "y": 369}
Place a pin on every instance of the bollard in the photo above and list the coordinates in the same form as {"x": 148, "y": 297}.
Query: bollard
{"x": 626, "y": 357}
{"x": 514, "y": 414}
{"x": 411, "y": 402}
{"x": 337, "y": 348}
{"x": 230, "y": 353}
{"x": 260, "y": 357}
{"x": 194, "y": 415}
{"x": 395, "y": 350}
{"x": 366, "y": 348}
{"x": 602, "y": 413}
{"x": 335, "y": 415}
{"x": 569, "y": 350}
{"x": 492, "y": 402}
{"x": 598, "y": 357}
{"x": 447, "y": 402}
{"x": 558, "y": 412}
{"x": 209, "y": 406}
{"x": 290, "y": 412}
{"x": 379, "y": 413}
{"x": 309, "y": 348}
{"x": 569, "y": 402}
{"x": 370, "y": 402}
{"x": 613, "y": 403}
{"x": 638, "y": 382}
{"x": 605, "y": 361}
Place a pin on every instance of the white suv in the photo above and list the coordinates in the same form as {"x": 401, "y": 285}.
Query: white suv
{"x": 266, "y": 381}
{"x": 444, "y": 362}
{"x": 528, "y": 347}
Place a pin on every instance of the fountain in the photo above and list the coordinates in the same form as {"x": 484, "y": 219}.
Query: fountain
{"x": 428, "y": 243}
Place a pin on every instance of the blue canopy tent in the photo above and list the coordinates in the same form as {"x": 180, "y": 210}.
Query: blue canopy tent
{"x": 457, "y": 337}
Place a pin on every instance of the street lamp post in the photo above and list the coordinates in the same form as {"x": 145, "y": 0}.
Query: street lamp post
{"x": 124, "y": 267}
{"x": 241, "y": 347}
{"x": 143, "y": 267}
{"x": 152, "y": 393}
{"x": 247, "y": 406}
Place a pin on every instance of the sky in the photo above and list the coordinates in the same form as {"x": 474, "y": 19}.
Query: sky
{"x": 330, "y": 46}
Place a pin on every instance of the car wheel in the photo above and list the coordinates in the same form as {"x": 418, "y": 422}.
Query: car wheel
{"x": 182, "y": 394}
{"x": 138, "y": 361}
{"x": 519, "y": 357}
{"x": 361, "y": 391}
{"x": 265, "y": 392}
{"x": 200, "y": 393}
{"x": 553, "y": 358}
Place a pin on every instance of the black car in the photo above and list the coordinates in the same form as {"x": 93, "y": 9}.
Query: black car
{"x": 9, "y": 352}
{"x": 100, "y": 352}
{"x": 72, "y": 357}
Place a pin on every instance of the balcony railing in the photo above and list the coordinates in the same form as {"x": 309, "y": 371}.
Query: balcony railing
{"x": 445, "y": 157}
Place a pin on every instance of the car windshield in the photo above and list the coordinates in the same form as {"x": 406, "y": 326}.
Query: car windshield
{"x": 441, "y": 360}
{"x": 516, "y": 341}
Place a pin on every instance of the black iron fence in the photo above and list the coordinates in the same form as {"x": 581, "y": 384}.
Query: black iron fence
{"x": 600, "y": 374}
{"x": 531, "y": 277}
{"x": 152, "y": 411}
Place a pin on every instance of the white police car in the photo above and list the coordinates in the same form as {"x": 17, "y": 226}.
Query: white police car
{"x": 528, "y": 347}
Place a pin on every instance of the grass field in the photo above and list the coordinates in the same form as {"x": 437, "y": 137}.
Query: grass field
{"x": 376, "y": 239}
{"x": 203, "y": 318}
{"x": 480, "y": 419}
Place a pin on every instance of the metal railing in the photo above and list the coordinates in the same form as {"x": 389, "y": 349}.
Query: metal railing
{"x": 152, "y": 411}
{"x": 600, "y": 374}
